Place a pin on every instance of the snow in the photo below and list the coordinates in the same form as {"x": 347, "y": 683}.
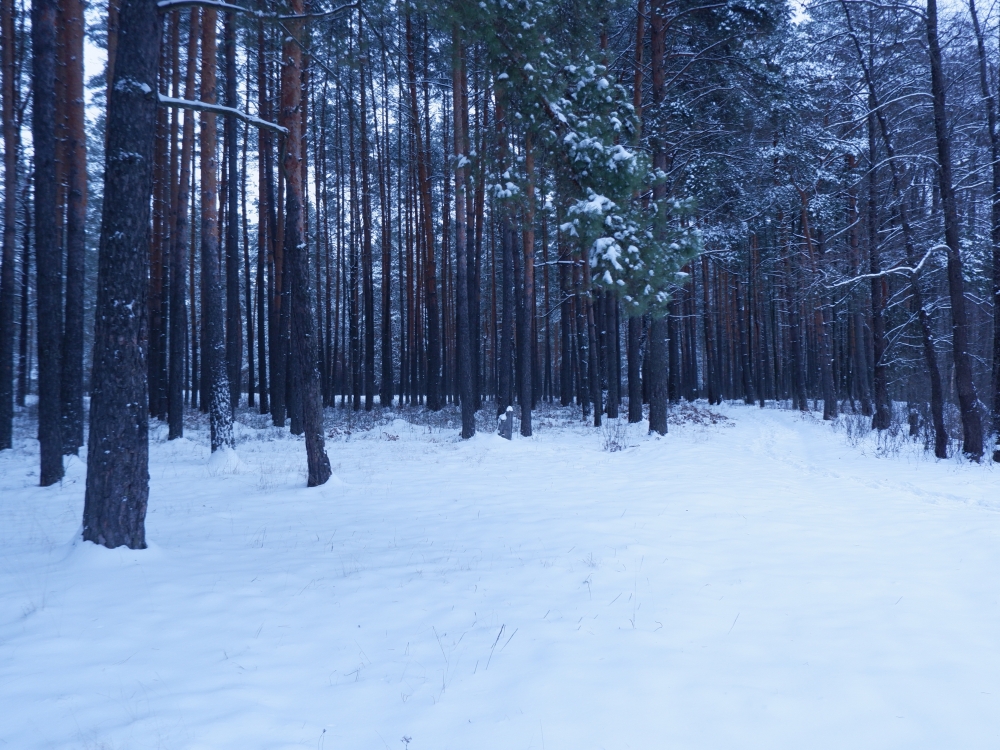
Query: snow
{"x": 760, "y": 582}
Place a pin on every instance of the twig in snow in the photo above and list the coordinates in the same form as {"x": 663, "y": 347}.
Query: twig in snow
{"x": 494, "y": 646}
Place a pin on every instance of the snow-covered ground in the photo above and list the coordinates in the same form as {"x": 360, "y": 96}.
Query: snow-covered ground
{"x": 761, "y": 582}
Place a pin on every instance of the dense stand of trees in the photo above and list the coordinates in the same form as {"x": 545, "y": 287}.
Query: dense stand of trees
{"x": 602, "y": 203}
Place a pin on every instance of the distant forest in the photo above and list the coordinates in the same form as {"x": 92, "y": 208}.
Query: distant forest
{"x": 613, "y": 206}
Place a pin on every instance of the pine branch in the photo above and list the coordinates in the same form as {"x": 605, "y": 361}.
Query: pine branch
{"x": 221, "y": 110}
{"x": 165, "y": 6}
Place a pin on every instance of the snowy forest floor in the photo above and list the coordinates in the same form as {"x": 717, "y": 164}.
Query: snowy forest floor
{"x": 755, "y": 579}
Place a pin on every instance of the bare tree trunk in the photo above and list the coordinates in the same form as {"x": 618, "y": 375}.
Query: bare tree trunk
{"x": 883, "y": 409}
{"x": 433, "y": 323}
{"x": 47, "y": 251}
{"x": 213, "y": 311}
{"x": 991, "y": 120}
{"x": 305, "y": 372}
{"x": 527, "y": 332}
{"x": 464, "y": 348}
{"x": 234, "y": 333}
{"x": 180, "y": 250}
{"x": 658, "y": 396}
{"x": 265, "y": 229}
{"x": 7, "y": 270}
{"x": 367, "y": 271}
{"x": 76, "y": 219}
{"x": 118, "y": 448}
{"x": 968, "y": 400}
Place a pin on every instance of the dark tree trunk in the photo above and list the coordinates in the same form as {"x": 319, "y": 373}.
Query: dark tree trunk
{"x": 212, "y": 307}
{"x": 367, "y": 260}
{"x": 526, "y": 333}
{"x": 234, "y": 333}
{"x": 880, "y": 371}
{"x": 613, "y": 347}
{"x": 991, "y": 122}
{"x": 23, "y": 348}
{"x": 10, "y": 158}
{"x": 76, "y": 221}
{"x": 48, "y": 260}
{"x": 658, "y": 396}
{"x": 118, "y": 448}
{"x": 972, "y": 445}
{"x": 634, "y": 352}
{"x": 305, "y": 372}
{"x": 711, "y": 364}
{"x": 265, "y": 228}
{"x": 179, "y": 252}
{"x": 464, "y": 348}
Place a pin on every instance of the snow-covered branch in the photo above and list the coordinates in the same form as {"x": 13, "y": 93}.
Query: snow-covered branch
{"x": 168, "y": 5}
{"x": 895, "y": 269}
{"x": 221, "y": 110}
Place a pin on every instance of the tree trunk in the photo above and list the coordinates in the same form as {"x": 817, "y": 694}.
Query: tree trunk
{"x": 972, "y": 445}
{"x": 991, "y": 123}
{"x": 7, "y": 270}
{"x": 265, "y": 230}
{"x": 880, "y": 387}
{"x": 427, "y": 228}
{"x": 367, "y": 261}
{"x": 234, "y": 333}
{"x": 305, "y": 372}
{"x": 118, "y": 447}
{"x": 212, "y": 306}
{"x": 527, "y": 332}
{"x": 464, "y": 348}
{"x": 658, "y": 396}
{"x": 48, "y": 258}
{"x": 76, "y": 220}
{"x": 180, "y": 250}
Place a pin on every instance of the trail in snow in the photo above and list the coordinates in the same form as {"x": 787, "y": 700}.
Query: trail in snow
{"x": 751, "y": 584}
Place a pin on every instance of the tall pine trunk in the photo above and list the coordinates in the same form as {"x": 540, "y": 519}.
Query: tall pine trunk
{"x": 7, "y": 270}
{"x": 212, "y": 308}
{"x": 968, "y": 401}
{"x": 991, "y": 124}
{"x": 464, "y": 344}
{"x": 180, "y": 250}
{"x": 303, "y": 350}
{"x": 76, "y": 221}
{"x": 234, "y": 333}
{"x": 48, "y": 260}
{"x": 118, "y": 446}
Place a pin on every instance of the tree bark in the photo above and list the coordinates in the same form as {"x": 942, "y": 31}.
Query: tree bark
{"x": 658, "y": 396}
{"x": 212, "y": 306}
{"x": 305, "y": 372}
{"x": 972, "y": 444}
{"x": 464, "y": 344}
{"x": 880, "y": 372}
{"x": 367, "y": 260}
{"x": 71, "y": 370}
{"x": 7, "y": 270}
{"x": 991, "y": 124}
{"x": 118, "y": 447}
{"x": 48, "y": 260}
{"x": 527, "y": 332}
{"x": 234, "y": 319}
{"x": 433, "y": 323}
{"x": 180, "y": 250}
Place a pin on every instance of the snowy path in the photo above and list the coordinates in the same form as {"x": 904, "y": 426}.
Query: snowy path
{"x": 757, "y": 585}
